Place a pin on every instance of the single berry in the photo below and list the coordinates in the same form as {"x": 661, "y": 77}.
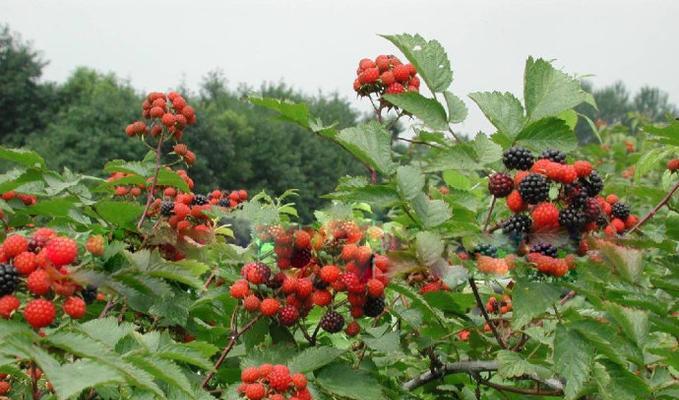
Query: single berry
{"x": 89, "y": 294}
{"x": 553, "y": 155}
{"x": 304, "y": 288}
{"x": 486, "y": 249}
{"x": 332, "y": 322}
{"x": 500, "y": 185}
{"x": 95, "y": 245}
{"x": 9, "y": 279}
{"x": 25, "y": 263}
{"x": 534, "y": 189}
{"x": 75, "y": 307}
{"x": 593, "y": 184}
{"x": 279, "y": 378}
{"x": 673, "y": 165}
{"x": 251, "y": 303}
{"x": 583, "y": 168}
{"x": 374, "y": 306}
{"x": 249, "y": 375}
{"x": 269, "y": 307}
{"x": 592, "y": 209}
{"x": 288, "y": 315}
{"x": 302, "y": 239}
{"x": 200, "y": 200}
{"x": 255, "y": 391}
{"x": 166, "y": 208}
{"x": 517, "y": 225}
{"x": 572, "y": 219}
{"x": 8, "y": 304}
{"x": 321, "y": 298}
{"x": 5, "y": 387}
{"x": 240, "y": 289}
{"x": 620, "y": 210}
{"x": 518, "y": 158}
{"x": 39, "y": 282}
{"x": 299, "y": 380}
{"x": 515, "y": 203}
{"x": 300, "y": 258}
{"x": 544, "y": 248}
{"x": 15, "y": 245}
{"x": 40, "y": 313}
{"x": 61, "y": 251}
{"x": 257, "y": 273}
{"x": 618, "y": 224}
{"x": 353, "y": 329}
{"x": 375, "y": 288}
{"x": 545, "y": 216}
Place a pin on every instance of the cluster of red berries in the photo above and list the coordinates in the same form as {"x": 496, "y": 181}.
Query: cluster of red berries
{"x": 164, "y": 110}
{"x": 319, "y": 268}
{"x": 5, "y": 386}
{"x": 273, "y": 382}
{"x": 26, "y": 199}
{"x": 499, "y": 305}
{"x": 387, "y": 74}
{"x": 40, "y": 263}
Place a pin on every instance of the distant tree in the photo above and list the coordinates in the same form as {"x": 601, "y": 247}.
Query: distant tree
{"x": 27, "y": 104}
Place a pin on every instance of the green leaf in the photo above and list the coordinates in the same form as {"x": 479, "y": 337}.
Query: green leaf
{"x": 123, "y": 214}
{"x": 634, "y": 323}
{"x": 548, "y": 133}
{"x": 628, "y": 262}
{"x": 513, "y": 365}
{"x": 503, "y": 110}
{"x": 668, "y": 134}
{"x": 457, "y": 110}
{"x": 429, "y": 247}
{"x": 289, "y": 111}
{"x": 465, "y": 156}
{"x": 71, "y": 379}
{"x": 570, "y": 117}
{"x": 428, "y": 57}
{"x": 547, "y": 92}
{"x": 410, "y": 181}
{"x": 186, "y": 354}
{"x": 27, "y": 158}
{"x": 572, "y": 359}
{"x": 141, "y": 168}
{"x": 344, "y": 381}
{"x": 430, "y": 111}
{"x": 388, "y": 343}
{"x": 58, "y": 207}
{"x": 106, "y": 330}
{"x": 163, "y": 370}
{"x": 531, "y": 299}
{"x": 648, "y": 161}
{"x": 371, "y": 144}
{"x": 314, "y": 358}
{"x": 431, "y": 213}
{"x": 167, "y": 177}
{"x": 457, "y": 180}
{"x": 418, "y": 301}
{"x": 617, "y": 383}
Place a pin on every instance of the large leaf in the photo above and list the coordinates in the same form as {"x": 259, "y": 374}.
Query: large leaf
{"x": 429, "y": 247}
{"x": 346, "y": 382}
{"x": 634, "y": 323}
{"x": 457, "y": 110}
{"x": 473, "y": 155}
{"x": 547, "y": 91}
{"x": 627, "y": 261}
{"x": 314, "y": 358}
{"x": 167, "y": 177}
{"x": 106, "y": 330}
{"x": 513, "y": 365}
{"x": 617, "y": 383}
{"x": 163, "y": 370}
{"x": 57, "y": 207}
{"x": 141, "y": 168}
{"x": 503, "y": 110}
{"x": 548, "y": 133}
{"x": 410, "y": 181}
{"x": 26, "y": 158}
{"x": 428, "y": 57}
{"x": 431, "y": 213}
{"x": 370, "y": 143}
{"x": 665, "y": 134}
{"x": 530, "y": 299}
{"x": 572, "y": 359}
{"x": 430, "y": 111}
{"x": 123, "y": 214}
{"x": 72, "y": 379}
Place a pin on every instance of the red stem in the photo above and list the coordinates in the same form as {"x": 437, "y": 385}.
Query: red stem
{"x": 655, "y": 209}
{"x": 151, "y": 193}
{"x": 490, "y": 323}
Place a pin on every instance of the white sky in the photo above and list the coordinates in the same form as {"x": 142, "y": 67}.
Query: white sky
{"x": 316, "y": 45}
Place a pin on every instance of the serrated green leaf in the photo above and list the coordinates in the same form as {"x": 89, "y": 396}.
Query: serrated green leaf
{"x": 106, "y": 330}
{"x": 163, "y": 370}
{"x": 314, "y": 358}
{"x": 388, "y": 343}
{"x": 289, "y": 111}
{"x": 71, "y": 379}
{"x": 513, "y": 365}
{"x": 531, "y": 299}
{"x": 167, "y": 177}
{"x": 27, "y": 158}
{"x": 503, "y": 110}
{"x": 141, "y": 168}
{"x": 548, "y": 92}
{"x": 418, "y": 301}
{"x": 58, "y": 207}
{"x": 548, "y": 133}
{"x": 430, "y": 111}
{"x": 634, "y": 323}
{"x": 370, "y": 143}
{"x": 573, "y": 359}
{"x": 429, "y": 247}
{"x": 465, "y": 156}
{"x": 616, "y": 383}
{"x": 430, "y": 213}
{"x": 428, "y": 57}
{"x": 668, "y": 134}
{"x": 457, "y": 110}
{"x": 410, "y": 181}
{"x": 346, "y": 382}
{"x": 122, "y": 214}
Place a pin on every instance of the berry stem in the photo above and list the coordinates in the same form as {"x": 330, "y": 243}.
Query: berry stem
{"x": 655, "y": 209}
{"x": 34, "y": 383}
{"x": 152, "y": 189}
{"x": 457, "y": 138}
{"x": 479, "y": 303}
{"x": 229, "y": 346}
{"x": 490, "y": 212}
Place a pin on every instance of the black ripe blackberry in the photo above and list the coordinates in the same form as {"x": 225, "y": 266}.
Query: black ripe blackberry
{"x": 602, "y": 221}
{"x": 276, "y": 281}
{"x": 320, "y": 283}
{"x": 592, "y": 209}
{"x": 300, "y": 258}
{"x": 572, "y": 219}
{"x": 553, "y": 155}
{"x": 485, "y": 249}
{"x": 517, "y": 225}
{"x": 576, "y": 195}
{"x": 518, "y": 158}
{"x": 224, "y": 203}
{"x": 166, "y": 208}
{"x": 9, "y": 279}
{"x": 500, "y": 185}
{"x": 620, "y": 210}
{"x": 593, "y": 184}
{"x": 534, "y": 189}
{"x": 34, "y": 246}
{"x": 332, "y": 322}
{"x": 544, "y": 248}
{"x": 200, "y": 200}
{"x": 373, "y": 307}
{"x": 89, "y": 294}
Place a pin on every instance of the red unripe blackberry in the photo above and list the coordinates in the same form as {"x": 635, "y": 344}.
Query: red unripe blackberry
{"x": 534, "y": 188}
{"x": 352, "y": 282}
{"x": 500, "y": 185}
{"x": 375, "y": 288}
{"x": 302, "y": 239}
{"x": 515, "y": 203}
{"x": 299, "y": 380}
{"x": 387, "y": 78}
{"x": 15, "y": 245}
{"x": 75, "y": 307}
{"x": 61, "y": 251}
{"x": 39, "y": 282}
{"x": 583, "y": 168}
{"x": 353, "y": 329}
{"x": 518, "y": 158}
{"x": 395, "y": 88}
{"x": 269, "y": 307}
{"x": 673, "y": 165}
{"x": 25, "y": 263}
{"x": 332, "y": 322}
{"x": 289, "y": 285}
{"x": 618, "y": 224}
{"x": 401, "y": 73}
{"x": 8, "y": 304}
{"x": 255, "y": 391}
{"x": 631, "y": 221}
{"x": 612, "y": 199}
{"x": 95, "y": 245}
{"x": 249, "y": 375}
{"x": 288, "y": 315}
{"x": 374, "y": 306}
{"x": 257, "y": 273}
{"x": 381, "y": 262}
{"x": 545, "y": 215}
{"x": 357, "y": 311}
{"x": 5, "y": 387}
{"x": 553, "y": 155}
{"x": 366, "y": 63}
{"x": 349, "y": 252}
{"x": 304, "y": 287}
{"x": 240, "y": 289}
{"x": 40, "y": 313}
{"x": 321, "y": 297}
{"x": 251, "y": 303}
{"x": 279, "y": 378}
{"x": 369, "y": 76}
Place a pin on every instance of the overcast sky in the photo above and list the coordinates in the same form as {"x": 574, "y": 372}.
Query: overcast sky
{"x": 316, "y": 45}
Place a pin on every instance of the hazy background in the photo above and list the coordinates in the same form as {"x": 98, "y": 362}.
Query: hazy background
{"x": 315, "y": 45}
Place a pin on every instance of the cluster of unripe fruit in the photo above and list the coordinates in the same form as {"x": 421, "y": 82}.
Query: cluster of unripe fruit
{"x": 326, "y": 268}
{"x": 168, "y": 111}
{"x": 273, "y": 382}
{"x": 386, "y": 74}
{"x": 40, "y": 264}
{"x": 26, "y": 199}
